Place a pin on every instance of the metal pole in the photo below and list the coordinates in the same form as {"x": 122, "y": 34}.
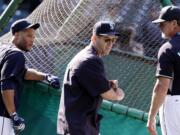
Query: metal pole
{"x": 8, "y": 13}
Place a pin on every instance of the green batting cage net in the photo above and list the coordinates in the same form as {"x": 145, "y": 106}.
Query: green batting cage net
{"x": 66, "y": 28}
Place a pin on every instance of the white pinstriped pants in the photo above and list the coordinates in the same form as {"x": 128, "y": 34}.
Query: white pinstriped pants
{"x": 170, "y": 115}
{"x": 6, "y": 126}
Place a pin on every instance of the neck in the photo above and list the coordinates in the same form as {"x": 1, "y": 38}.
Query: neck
{"x": 178, "y": 30}
{"x": 96, "y": 48}
{"x": 14, "y": 42}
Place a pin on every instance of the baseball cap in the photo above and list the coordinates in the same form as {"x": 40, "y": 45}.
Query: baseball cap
{"x": 168, "y": 13}
{"x": 105, "y": 28}
{"x": 23, "y": 24}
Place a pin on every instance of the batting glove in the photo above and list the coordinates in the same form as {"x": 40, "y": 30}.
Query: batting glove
{"x": 53, "y": 81}
{"x": 18, "y": 123}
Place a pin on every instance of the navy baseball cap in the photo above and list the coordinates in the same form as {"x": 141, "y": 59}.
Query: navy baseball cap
{"x": 23, "y": 24}
{"x": 105, "y": 28}
{"x": 168, "y": 13}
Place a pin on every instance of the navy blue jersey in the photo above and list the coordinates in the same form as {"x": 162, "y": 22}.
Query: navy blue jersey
{"x": 84, "y": 82}
{"x": 12, "y": 67}
{"x": 169, "y": 63}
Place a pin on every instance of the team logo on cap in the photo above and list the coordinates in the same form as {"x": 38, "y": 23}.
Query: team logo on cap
{"x": 178, "y": 53}
{"x": 111, "y": 26}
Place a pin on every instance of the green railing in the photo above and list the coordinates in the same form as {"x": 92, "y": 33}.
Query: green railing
{"x": 165, "y": 2}
{"x": 39, "y": 108}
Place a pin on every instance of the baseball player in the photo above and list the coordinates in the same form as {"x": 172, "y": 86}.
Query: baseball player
{"x": 166, "y": 92}
{"x": 13, "y": 72}
{"x": 85, "y": 85}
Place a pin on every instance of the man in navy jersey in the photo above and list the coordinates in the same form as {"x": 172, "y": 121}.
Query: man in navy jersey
{"x": 85, "y": 85}
{"x": 12, "y": 73}
{"x": 166, "y": 92}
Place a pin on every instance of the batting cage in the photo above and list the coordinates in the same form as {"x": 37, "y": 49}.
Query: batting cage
{"x": 66, "y": 28}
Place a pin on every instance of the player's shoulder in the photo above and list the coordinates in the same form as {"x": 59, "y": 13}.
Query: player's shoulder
{"x": 16, "y": 53}
{"x": 166, "y": 46}
{"x": 9, "y": 50}
{"x": 90, "y": 55}
{"x": 92, "y": 61}
{"x": 175, "y": 41}
{"x": 9, "y": 46}
{"x": 85, "y": 58}
{"x": 172, "y": 45}
{"x": 168, "y": 50}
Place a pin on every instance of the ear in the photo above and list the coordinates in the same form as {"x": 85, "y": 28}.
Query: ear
{"x": 93, "y": 38}
{"x": 175, "y": 23}
{"x": 16, "y": 34}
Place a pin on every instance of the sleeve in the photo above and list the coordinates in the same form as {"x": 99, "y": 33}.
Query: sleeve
{"x": 165, "y": 63}
{"x": 13, "y": 66}
{"x": 8, "y": 84}
{"x": 92, "y": 77}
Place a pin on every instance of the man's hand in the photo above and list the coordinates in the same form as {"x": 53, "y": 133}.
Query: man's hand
{"x": 120, "y": 94}
{"x": 18, "y": 123}
{"x": 113, "y": 84}
{"x": 151, "y": 125}
{"x": 115, "y": 87}
{"x": 53, "y": 81}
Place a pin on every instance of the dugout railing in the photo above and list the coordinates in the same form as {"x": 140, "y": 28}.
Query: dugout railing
{"x": 39, "y": 107}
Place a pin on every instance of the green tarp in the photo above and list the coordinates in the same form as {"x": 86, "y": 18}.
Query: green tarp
{"x": 39, "y": 107}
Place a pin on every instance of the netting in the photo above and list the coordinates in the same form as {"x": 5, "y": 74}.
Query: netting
{"x": 176, "y": 2}
{"x": 66, "y": 28}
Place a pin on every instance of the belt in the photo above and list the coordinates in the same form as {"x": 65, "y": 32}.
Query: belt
{"x": 173, "y": 92}
{"x": 5, "y": 115}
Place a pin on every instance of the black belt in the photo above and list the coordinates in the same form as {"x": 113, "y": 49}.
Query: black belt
{"x": 5, "y": 115}
{"x": 173, "y": 93}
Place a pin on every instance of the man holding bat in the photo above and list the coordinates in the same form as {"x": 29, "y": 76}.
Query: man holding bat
{"x": 85, "y": 85}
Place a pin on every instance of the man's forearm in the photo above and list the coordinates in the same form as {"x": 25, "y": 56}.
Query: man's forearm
{"x": 159, "y": 94}
{"x": 8, "y": 99}
{"x": 32, "y": 74}
{"x": 113, "y": 95}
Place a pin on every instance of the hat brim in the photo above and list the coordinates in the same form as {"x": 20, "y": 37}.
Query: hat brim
{"x": 159, "y": 20}
{"x": 110, "y": 34}
{"x": 33, "y": 26}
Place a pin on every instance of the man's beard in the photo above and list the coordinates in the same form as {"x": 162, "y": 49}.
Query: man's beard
{"x": 23, "y": 48}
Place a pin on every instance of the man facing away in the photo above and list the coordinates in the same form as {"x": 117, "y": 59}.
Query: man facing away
{"x": 85, "y": 85}
{"x": 166, "y": 92}
{"x": 12, "y": 73}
